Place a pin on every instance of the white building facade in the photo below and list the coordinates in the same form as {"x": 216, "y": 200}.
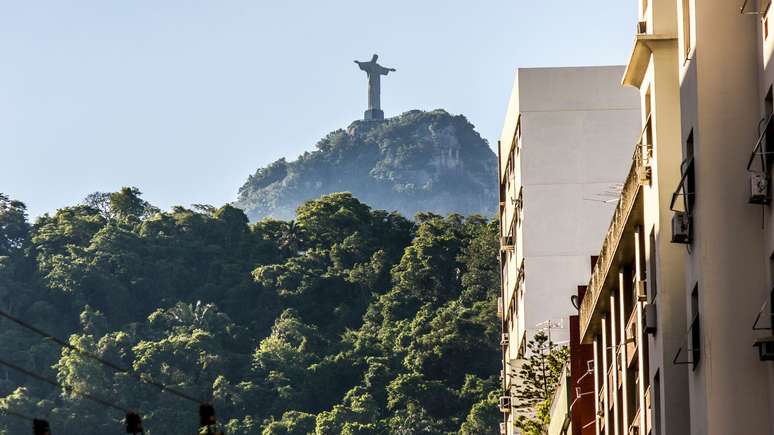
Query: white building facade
{"x": 564, "y": 152}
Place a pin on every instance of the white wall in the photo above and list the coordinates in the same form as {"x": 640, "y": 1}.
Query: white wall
{"x": 579, "y": 127}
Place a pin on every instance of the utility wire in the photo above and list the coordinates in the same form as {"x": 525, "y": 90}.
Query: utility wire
{"x": 140, "y": 376}
{"x": 66, "y": 387}
{"x": 10, "y": 413}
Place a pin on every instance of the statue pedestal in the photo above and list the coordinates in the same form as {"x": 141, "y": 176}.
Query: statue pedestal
{"x": 374, "y": 115}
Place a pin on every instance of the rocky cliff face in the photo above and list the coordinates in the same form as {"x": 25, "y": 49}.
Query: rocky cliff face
{"x": 418, "y": 161}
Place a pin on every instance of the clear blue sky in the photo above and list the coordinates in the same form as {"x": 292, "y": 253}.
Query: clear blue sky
{"x": 185, "y": 99}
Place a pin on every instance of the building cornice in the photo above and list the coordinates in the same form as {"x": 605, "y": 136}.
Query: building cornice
{"x": 644, "y": 46}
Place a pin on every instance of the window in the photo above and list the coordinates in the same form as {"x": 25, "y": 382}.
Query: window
{"x": 512, "y": 167}
{"x": 648, "y": 133}
{"x": 695, "y": 327}
{"x": 689, "y": 189}
{"x": 768, "y": 133}
{"x": 653, "y": 263}
{"x": 765, "y": 21}
{"x": 686, "y": 28}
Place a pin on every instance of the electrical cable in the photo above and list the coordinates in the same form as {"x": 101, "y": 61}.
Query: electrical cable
{"x": 139, "y": 376}
{"x": 68, "y": 388}
{"x": 10, "y": 413}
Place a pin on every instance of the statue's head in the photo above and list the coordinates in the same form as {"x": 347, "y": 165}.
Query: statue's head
{"x": 373, "y": 59}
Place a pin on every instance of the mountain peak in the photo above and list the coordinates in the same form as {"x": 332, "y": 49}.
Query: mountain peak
{"x": 415, "y": 162}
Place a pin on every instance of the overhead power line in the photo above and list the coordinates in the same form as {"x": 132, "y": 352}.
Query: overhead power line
{"x": 68, "y": 388}
{"x": 142, "y": 377}
{"x": 10, "y": 413}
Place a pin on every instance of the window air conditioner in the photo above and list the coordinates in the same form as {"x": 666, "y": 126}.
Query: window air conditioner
{"x": 500, "y": 308}
{"x": 650, "y": 319}
{"x": 504, "y": 339}
{"x": 681, "y": 227}
{"x": 642, "y": 290}
{"x": 765, "y": 347}
{"x": 759, "y": 188}
{"x": 505, "y": 404}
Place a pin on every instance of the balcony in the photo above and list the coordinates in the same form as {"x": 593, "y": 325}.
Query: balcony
{"x": 634, "y": 427}
{"x": 639, "y": 174}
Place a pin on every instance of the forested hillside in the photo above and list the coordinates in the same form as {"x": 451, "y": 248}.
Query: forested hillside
{"x": 347, "y": 320}
{"x": 415, "y": 162}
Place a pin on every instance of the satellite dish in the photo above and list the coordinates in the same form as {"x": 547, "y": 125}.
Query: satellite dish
{"x": 574, "y": 300}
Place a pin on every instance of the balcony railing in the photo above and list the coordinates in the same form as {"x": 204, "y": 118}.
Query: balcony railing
{"x": 639, "y": 173}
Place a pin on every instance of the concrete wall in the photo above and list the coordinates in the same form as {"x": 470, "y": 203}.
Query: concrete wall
{"x": 765, "y": 45}
{"x": 666, "y": 289}
{"x": 578, "y": 127}
{"x": 719, "y": 92}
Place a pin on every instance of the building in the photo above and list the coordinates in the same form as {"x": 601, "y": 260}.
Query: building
{"x": 726, "y": 105}
{"x": 634, "y": 310}
{"x": 562, "y": 153}
{"x": 678, "y": 306}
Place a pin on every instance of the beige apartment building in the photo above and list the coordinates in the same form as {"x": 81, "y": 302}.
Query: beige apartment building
{"x": 681, "y": 318}
{"x": 556, "y": 197}
{"x": 634, "y": 309}
{"x": 725, "y": 83}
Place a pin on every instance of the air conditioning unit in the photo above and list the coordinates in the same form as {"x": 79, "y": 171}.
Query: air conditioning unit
{"x": 500, "y": 308}
{"x": 642, "y": 290}
{"x": 681, "y": 227}
{"x": 505, "y": 404}
{"x": 759, "y": 188}
{"x": 765, "y": 347}
{"x": 650, "y": 319}
{"x": 642, "y": 27}
{"x": 504, "y": 339}
{"x": 503, "y": 428}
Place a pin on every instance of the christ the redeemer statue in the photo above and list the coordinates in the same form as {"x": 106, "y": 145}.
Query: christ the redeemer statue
{"x": 375, "y": 73}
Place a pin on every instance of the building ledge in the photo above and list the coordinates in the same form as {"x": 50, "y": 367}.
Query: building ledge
{"x": 644, "y": 45}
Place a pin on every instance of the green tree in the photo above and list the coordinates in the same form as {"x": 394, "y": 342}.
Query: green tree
{"x": 538, "y": 378}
